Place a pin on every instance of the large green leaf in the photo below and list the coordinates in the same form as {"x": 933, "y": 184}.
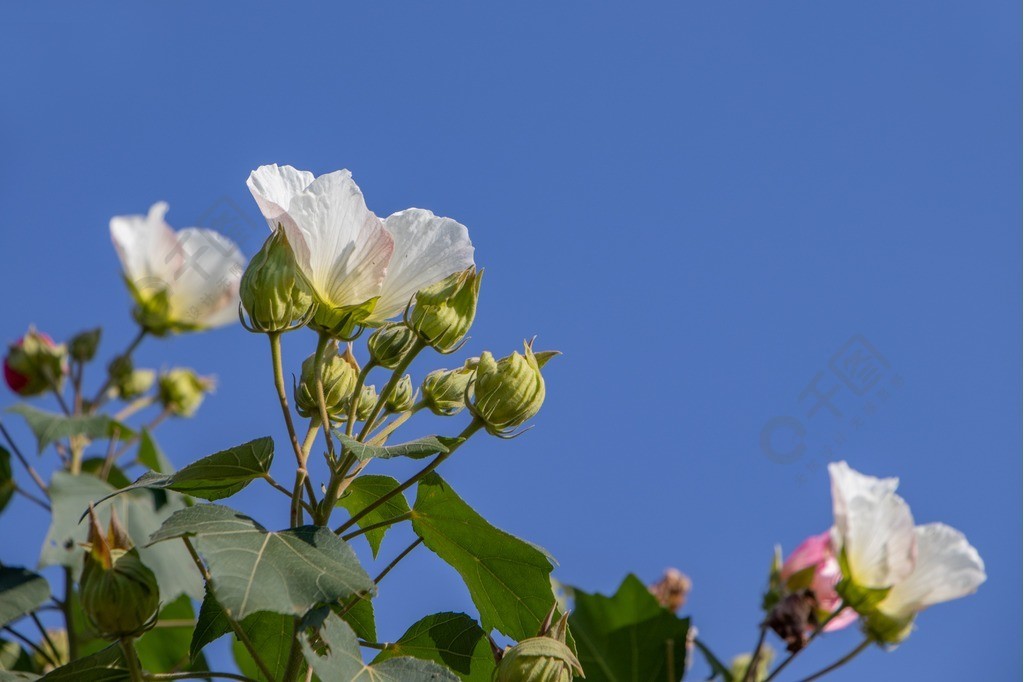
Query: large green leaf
{"x": 151, "y": 455}
{"x": 220, "y": 475}
{"x": 17, "y": 676}
{"x": 211, "y": 624}
{"x": 342, "y": 660}
{"x": 253, "y": 569}
{"x": 50, "y": 427}
{"x": 6, "y": 478}
{"x": 21, "y": 592}
{"x": 508, "y": 579}
{"x": 138, "y": 510}
{"x": 627, "y": 637}
{"x": 417, "y": 449}
{"x": 452, "y": 639}
{"x": 271, "y": 635}
{"x": 365, "y": 490}
{"x": 107, "y": 665}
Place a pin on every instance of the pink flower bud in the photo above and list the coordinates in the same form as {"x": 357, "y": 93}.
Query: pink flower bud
{"x": 34, "y": 364}
{"x": 813, "y": 566}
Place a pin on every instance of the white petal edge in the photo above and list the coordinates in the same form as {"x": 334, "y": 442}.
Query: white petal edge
{"x": 273, "y": 187}
{"x": 947, "y": 568}
{"x": 428, "y": 248}
{"x": 873, "y": 526}
{"x": 205, "y": 290}
{"x": 146, "y": 245}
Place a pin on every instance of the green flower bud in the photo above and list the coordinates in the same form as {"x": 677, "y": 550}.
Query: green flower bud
{"x": 390, "y": 344}
{"x": 273, "y": 290}
{"x": 444, "y": 312}
{"x": 181, "y": 391}
{"x": 119, "y": 593}
{"x": 367, "y": 400}
{"x": 508, "y": 392}
{"x": 739, "y": 665}
{"x": 544, "y": 658}
{"x": 135, "y": 383}
{"x": 35, "y": 364}
{"x": 339, "y": 378}
{"x": 444, "y": 390}
{"x": 401, "y": 397}
{"x": 82, "y": 346}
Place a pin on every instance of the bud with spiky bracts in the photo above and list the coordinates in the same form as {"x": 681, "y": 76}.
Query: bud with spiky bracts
{"x": 445, "y": 311}
{"x": 273, "y": 291}
{"x": 401, "y": 396}
{"x": 444, "y": 390}
{"x": 508, "y": 392}
{"x": 181, "y": 391}
{"x": 390, "y": 344}
{"x": 339, "y": 378}
{"x": 544, "y": 658}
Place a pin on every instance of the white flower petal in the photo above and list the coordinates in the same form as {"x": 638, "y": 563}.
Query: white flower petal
{"x": 428, "y": 248}
{"x": 274, "y": 186}
{"x": 873, "y": 526}
{"x": 146, "y": 245}
{"x": 205, "y": 290}
{"x": 341, "y": 246}
{"x": 947, "y": 568}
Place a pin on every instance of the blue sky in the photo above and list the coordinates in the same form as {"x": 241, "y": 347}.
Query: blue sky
{"x": 701, "y": 205}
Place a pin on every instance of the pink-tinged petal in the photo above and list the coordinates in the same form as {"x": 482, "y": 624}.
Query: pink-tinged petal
{"x": 845, "y": 619}
{"x": 811, "y": 552}
{"x": 274, "y": 186}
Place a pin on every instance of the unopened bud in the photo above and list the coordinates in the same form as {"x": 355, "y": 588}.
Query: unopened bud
{"x": 82, "y": 346}
{"x": 545, "y": 658}
{"x": 444, "y": 390}
{"x": 390, "y": 344}
{"x": 273, "y": 290}
{"x": 181, "y": 391}
{"x": 509, "y": 391}
{"x": 35, "y": 364}
{"x": 339, "y": 379}
{"x": 135, "y": 383}
{"x": 401, "y": 397}
{"x": 119, "y": 593}
{"x": 741, "y": 663}
{"x": 673, "y": 588}
{"x": 367, "y": 401}
{"x": 444, "y": 312}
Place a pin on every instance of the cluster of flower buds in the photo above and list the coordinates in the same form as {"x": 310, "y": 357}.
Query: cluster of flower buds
{"x": 544, "y": 658}
{"x": 181, "y": 391}
{"x": 35, "y": 364}
{"x": 510, "y": 391}
{"x": 119, "y": 593}
{"x": 445, "y": 311}
{"x": 273, "y": 291}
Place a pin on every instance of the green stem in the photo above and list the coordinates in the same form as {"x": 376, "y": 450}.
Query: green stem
{"x": 353, "y": 404}
{"x": 301, "y": 474}
{"x": 69, "y": 614}
{"x": 294, "y": 666}
{"x": 318, "y": 372}
{"x": 374, "y": 526}
{"x": 752, "y": 666}
{"x": 840, "y": 663}
{"x": 473, "y": 427}
{"x": 814, "y": 635}
{"x": 396, "y": 376}
{"x": 132, "y": 660}
{"x": 101, "y": 395}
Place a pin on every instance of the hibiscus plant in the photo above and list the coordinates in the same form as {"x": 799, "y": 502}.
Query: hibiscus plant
{"x": 150, "y": 564}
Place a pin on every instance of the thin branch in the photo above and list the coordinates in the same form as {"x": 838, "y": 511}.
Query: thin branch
{"x": 21, "y": 458}
{"x": 30, "y": 497}
{"x": 404, "y": 553}
{"x": 35, "y": 647}
{"x": 374, "y": 526}
{"x": 840, "y": 663}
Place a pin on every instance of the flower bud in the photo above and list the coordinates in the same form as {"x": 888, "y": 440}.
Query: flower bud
{"x": 740, "y": 664}
{"x": 135, "y": 383}
{"x": 673, "y": 588}
{"x": 181, "y": 391}
{"x": 119, "y": 593}
{"x": 367, "y": 401}
{"x": 83, "y": 345}
{"x": 339, "y": 379}
{"x": 544, "y": 658}
{"x": 401, "y": 397}
{"x": 35, "y": 364}
{"x": 444, "y": 312}
{"x": 273, "y": 290}
{"x": 509, "y": 391}
{"x": 444, "y": 390}
{"x": 390, "y": 344}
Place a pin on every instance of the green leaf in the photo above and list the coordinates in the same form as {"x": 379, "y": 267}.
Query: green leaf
{"x": 164, "y": 649}
{"x": 253, "y": 569}
{"x": 6, "y": 478}
{"x": 343, "y": 660}
{"x": 211, "y": 624}
{"x": 50, "y": 427}
{"x": 365, "y": 490}
{"x": 627, "y": 636}
{"x": 14, "y": 658}
{"x": 71, "y": 495}
{"x": 17, "y": 676}
{"x": 452, "y": 639}
{"x": 508, "y": 579}
{"x": 21, "y": 592}
{"x": 151, "y": 455}
{"x": 272, "y": 635}
{"x": 718, "y": 668}
{"x": 220, "y": 475}
{"x": 115, "y": 477}
{"x": 107, "y": 665}
{"x": 417, "y": 449}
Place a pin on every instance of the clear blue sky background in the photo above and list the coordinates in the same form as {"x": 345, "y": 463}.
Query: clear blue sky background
{"x": 699, "y": 204}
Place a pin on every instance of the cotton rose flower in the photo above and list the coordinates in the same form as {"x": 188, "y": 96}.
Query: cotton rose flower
{"x": 813, "y": 566}
{"x": 893, "y": 570}
{"x": 363, "y": 271}
{"x": 181, "y": 281}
